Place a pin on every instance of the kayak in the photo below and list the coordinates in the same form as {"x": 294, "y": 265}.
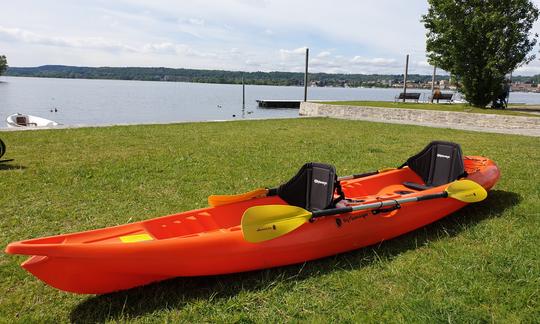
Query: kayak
{"x": 22, "y": 120}
{"x": 210, "y": 241}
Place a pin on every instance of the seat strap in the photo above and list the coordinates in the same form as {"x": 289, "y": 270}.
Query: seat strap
{"x": 340, "y": 193}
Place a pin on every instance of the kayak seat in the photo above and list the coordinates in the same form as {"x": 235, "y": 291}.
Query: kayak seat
{"x": 437, "y": 164}
{"x": 21, "y": 120}
{"x": 312, "y": 188}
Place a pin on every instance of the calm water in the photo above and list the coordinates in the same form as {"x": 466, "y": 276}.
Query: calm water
{"x": 105, "y": 102}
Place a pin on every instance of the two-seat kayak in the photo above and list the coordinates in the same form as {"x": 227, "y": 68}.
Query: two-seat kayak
{"x": 212, "y": 241}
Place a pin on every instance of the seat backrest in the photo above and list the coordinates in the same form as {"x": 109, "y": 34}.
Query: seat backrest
{"x": 438, "y": 163}
{"x": 21, "y": 120}
{"x": 311, "y": 188}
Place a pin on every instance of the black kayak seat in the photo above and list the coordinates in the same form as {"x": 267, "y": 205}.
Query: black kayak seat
{"x": 21, "y": 120}
{"x": 312, "y": 188}
{"x": 437, "y": 164}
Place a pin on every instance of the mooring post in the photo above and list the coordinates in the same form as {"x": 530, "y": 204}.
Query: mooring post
{"x": 433, "y": 82}
{"x": 243, "y": 97}
{"x": 405, "y": 77}
{"x": 508, "y": 87}
{"x": 306, "y": 75}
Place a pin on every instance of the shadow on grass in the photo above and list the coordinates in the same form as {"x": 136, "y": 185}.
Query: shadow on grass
{"x": 180, "y": 292}
{"x": 4, "y": 166}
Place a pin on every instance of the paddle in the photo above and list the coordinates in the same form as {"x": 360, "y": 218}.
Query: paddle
{"x": 218, "y": 200}
{"x": 262, "y": 223}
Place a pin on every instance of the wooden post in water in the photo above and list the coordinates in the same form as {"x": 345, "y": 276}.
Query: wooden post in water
{"x": 306, "y": 75}
{"x": 243, "y": 98}
{"x": 433, "y": 82}
{"x": 405, "y": 77}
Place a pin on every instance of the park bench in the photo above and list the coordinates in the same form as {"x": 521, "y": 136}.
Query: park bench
{"x": 442, "y": 96}
{"x": 408, "y": 96}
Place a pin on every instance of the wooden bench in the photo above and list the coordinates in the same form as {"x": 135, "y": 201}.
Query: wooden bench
{"x": 442, "y": 96}
{"x": 408, "y": 96}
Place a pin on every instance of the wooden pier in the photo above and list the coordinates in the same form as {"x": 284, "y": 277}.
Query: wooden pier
{"x": 279, "y": 103}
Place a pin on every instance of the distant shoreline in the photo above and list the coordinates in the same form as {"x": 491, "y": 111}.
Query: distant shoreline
{"x": 218, "y": 76}
{"x": 276, "y": 78}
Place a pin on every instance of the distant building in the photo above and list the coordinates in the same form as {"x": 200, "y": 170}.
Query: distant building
{"x": 524, "y": 87}
{"x": 444, "y": 84}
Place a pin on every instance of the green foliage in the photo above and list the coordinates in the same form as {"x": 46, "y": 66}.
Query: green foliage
{"x": 480, "y": 264}
{"x": 480, "y": 41}
{"x": 212, "y": 76}
{"x": 3, "y": 64}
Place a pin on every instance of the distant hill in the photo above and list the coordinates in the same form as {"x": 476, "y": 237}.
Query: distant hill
{"x": 229, "y": 77}
{"x": 211, "y": 76}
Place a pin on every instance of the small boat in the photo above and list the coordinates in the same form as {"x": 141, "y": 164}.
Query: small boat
{"x": 212, "y": 241}
{"x": 23, "y": 120}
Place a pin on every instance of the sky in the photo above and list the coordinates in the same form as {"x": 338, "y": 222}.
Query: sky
{"x": 344, "y": 36}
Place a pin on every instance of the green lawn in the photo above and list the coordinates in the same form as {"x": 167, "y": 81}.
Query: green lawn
{"x": 481, "y": 264}
{"x": 428, "y": 106}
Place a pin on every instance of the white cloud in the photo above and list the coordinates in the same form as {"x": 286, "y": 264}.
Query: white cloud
{"x": 286, "y": 54}
{"x": 324, "y": 54}
{"x": 19, "y": 35}
{"x": 196, "y": 21}
{"x": 424, "y": 64}
{"x": 375, "y": 61}
{"x": 175, "y": 49}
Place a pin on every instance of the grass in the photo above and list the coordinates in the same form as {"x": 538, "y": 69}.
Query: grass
{"x": 481, "y": 264}
{"x": 428, "y": 106}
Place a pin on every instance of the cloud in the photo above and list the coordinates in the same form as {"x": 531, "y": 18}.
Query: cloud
{"x": 530, "y": 69}
{"x": 373, "y": 61}
{"x": 196, "y": 21}
{"x": 286, "y": 54}
{"x": 19, "y": 35}
{"x": 324, "y": 54}
{"x": 424, "y": 64}
{"x": 176, "y": 49}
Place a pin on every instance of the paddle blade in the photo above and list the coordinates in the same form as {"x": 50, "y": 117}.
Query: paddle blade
{"x": 466, "y": 191}
{"x": 218, "y": 200}
{"x": 263, "y": 223}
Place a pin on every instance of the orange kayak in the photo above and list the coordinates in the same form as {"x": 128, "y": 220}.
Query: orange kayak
{"x": 209, "y": 241}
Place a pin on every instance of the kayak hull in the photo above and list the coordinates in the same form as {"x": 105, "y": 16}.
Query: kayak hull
{"x": 209, "y": 241}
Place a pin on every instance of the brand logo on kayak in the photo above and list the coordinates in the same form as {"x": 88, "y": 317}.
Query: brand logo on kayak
{"x": 273, "y": 227}
{"x": 349, "y": 219}
{"x": 443, "y": 156}
{"x": 320, "y": 182}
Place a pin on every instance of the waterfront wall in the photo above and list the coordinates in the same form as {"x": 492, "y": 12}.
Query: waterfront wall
{"x": 434, "y": 118}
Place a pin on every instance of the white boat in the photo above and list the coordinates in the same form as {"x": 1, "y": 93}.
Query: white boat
{"x": 22, "y": 120}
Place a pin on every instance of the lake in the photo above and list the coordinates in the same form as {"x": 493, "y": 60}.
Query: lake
{"x": 108, "y": 102}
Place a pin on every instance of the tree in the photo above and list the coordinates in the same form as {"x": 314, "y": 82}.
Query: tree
{"x": 3, "y": 64}
{"x": 480, "y": 42}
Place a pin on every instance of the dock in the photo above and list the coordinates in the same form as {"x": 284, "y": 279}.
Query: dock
{"x": 279, "y": 103}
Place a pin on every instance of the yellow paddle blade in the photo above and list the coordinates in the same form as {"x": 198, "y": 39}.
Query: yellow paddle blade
{"x": 218, "y": 200}
{"x": 385, "y": 170}
{"x": 466, "y": 191}
{"x": 262, "y": 223}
